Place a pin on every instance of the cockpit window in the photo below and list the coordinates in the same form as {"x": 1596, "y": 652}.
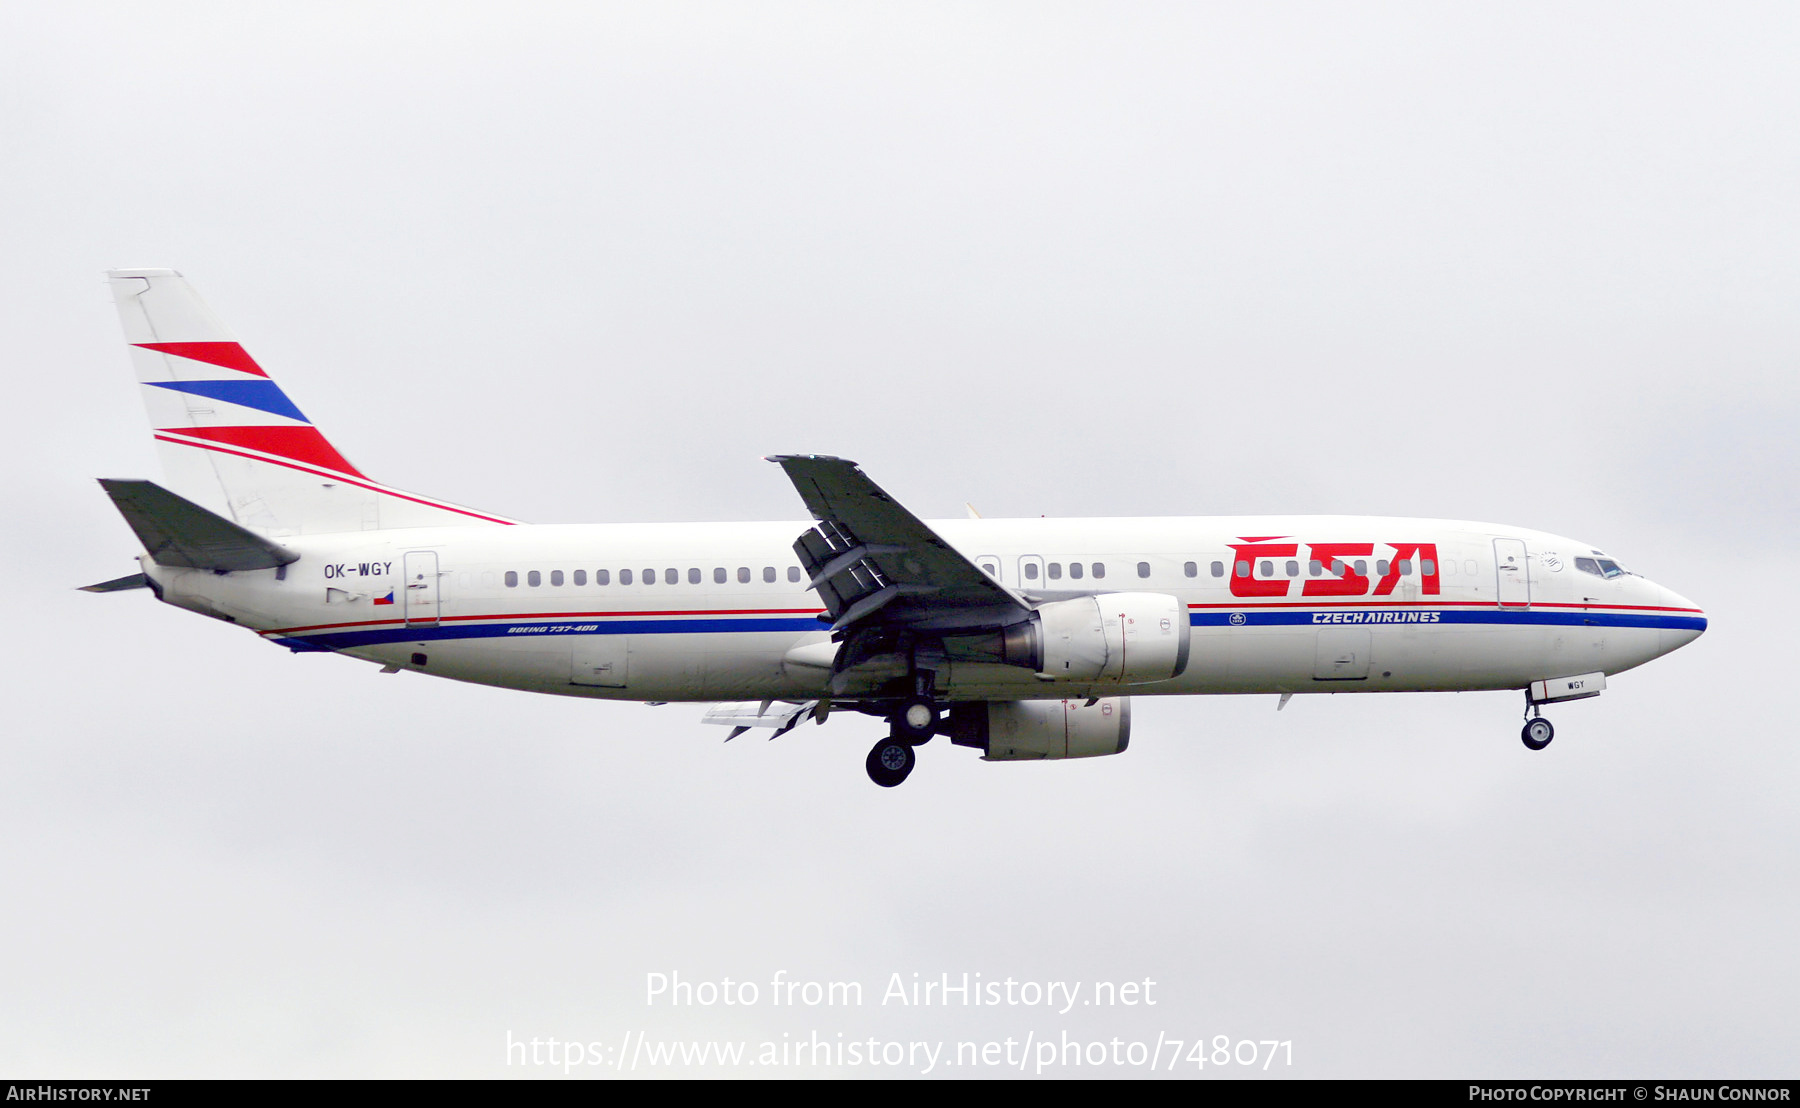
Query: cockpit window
{"x": 1601, "y": 567}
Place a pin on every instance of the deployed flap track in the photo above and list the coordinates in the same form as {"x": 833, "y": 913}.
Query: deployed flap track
{"x": 180, "y": 533}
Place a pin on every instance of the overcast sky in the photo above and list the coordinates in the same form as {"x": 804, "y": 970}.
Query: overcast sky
{"x": 1533, "y": 263}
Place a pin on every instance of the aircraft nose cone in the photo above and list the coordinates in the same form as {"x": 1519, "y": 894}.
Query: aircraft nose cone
{"x": 1683, "y": 621}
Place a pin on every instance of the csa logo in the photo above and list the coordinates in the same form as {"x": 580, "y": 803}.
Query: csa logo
{"x": 1237, "y": 619}
{"x": 1345, "y": 566}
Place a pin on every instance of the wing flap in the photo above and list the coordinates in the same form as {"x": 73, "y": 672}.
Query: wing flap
{"x": 782, "y": 715}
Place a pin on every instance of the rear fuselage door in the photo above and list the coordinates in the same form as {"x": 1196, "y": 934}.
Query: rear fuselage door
{"x": 421, "y": 587}
{"x": 1513, "y": 574}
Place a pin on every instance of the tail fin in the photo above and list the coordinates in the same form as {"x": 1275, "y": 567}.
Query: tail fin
{"x": 232, "y": 441}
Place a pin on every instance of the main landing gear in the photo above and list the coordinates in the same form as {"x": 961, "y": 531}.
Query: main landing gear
{"x": 890, "y": 761}
{"x": 911, "y": 725}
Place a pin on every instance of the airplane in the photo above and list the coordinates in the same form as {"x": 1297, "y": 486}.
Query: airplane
{"x": 1024, "y": 639}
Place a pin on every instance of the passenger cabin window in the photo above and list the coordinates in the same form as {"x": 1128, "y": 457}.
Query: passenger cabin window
{"x": 624, "y": 577}
{"x": 1218, "y": 569}
{"x": 1054, "y": 571}
{"x": 694, "y": 576}
{"x": 649, "y": 577}
{"x": 1314, "y": 568}
{"x": 794, "y": 574}
{"x": 719, "y": 575}
{"x": 671, "y": 576}
{"x": 580, "y": 577}
{"x": 1075, "y": 570}
{"x": 1190, "y": 569}
{"x": 1099, "y": 569}
{"x": 1293, "y": 569}
{"x": 534, "y": 578}
{"x": 602, "y": 577}
{"x": 1243, "y": 569}
{"x": 512, "y": 578}
{"x": 1031, "y": 571}
{"x": 769, "y": 575}
{"x": 743, "y": 575}
{"x": 1143, "y": 569}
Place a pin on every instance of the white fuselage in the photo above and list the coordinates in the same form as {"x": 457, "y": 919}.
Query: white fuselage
{"x": 721, "y": 611}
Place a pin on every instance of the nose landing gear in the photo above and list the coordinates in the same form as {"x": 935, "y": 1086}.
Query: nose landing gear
{"x": 1537, "y": 732}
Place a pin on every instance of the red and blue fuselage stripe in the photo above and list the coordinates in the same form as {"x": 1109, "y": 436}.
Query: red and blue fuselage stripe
{"x": 346, "y": 636}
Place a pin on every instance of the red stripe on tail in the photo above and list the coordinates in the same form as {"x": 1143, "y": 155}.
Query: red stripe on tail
{"x": 301, "y": 444}
{"x": 227, "y": 354}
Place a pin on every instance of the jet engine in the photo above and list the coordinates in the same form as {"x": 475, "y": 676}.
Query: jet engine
{"x": 1128, "y": 637}
{"x": 1030, "y": 730}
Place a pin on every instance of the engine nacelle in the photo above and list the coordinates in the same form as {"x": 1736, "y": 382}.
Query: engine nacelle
{"x": 1129, "y": 637}
{"x": 1021, "y": 730}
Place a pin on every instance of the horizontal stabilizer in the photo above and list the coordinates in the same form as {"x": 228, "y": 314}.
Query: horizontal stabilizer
{"x": 119, "y": 584}
{"x": 181, "y": 533}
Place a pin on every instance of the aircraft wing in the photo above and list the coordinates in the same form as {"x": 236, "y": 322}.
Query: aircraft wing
{"x": 874, "y": 562}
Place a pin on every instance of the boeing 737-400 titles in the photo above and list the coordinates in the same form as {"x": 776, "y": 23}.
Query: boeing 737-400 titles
{"x": 1020, "y": 638}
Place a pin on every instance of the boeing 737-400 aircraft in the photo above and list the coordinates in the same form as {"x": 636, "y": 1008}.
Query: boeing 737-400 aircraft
{"x": 1021, "y": 638}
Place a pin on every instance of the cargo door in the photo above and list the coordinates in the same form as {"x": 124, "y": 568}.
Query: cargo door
{"x": 421, "y": 587}
{"x": 599, "y": 660}
{"x": 1342, "y": 654}
{"x": 1513, "y": 574}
